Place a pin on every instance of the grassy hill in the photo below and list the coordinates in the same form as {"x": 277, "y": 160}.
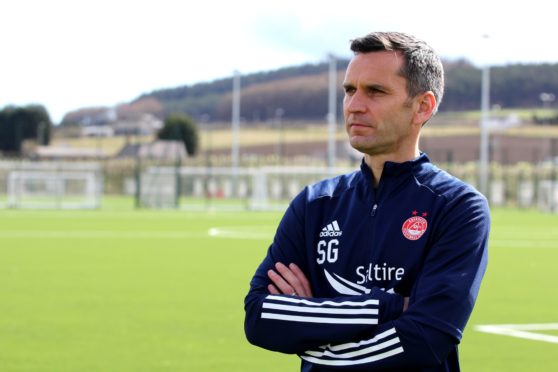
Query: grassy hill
{"x": 301, "y": 93}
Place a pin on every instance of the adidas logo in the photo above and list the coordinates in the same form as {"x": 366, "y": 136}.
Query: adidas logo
{"x": 332, "y": 229}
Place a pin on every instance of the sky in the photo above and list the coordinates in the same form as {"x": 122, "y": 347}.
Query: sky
{"x": 70, "y": 54}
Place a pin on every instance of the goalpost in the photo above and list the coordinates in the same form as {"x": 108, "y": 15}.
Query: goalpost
{"x": 55, "y": 186}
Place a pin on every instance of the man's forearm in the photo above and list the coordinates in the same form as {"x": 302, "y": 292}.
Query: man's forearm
{"x": 292, "y": 324}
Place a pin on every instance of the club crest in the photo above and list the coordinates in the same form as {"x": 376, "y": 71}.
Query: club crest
{"x": 414, "y": 227}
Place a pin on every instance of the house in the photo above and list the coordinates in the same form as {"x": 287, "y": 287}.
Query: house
{"x": 146, "y": 124}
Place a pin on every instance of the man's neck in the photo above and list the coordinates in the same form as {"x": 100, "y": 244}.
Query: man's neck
{"x": 376, "y": 162}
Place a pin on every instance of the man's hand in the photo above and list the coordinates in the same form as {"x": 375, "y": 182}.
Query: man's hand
{"x": 288, "y": 280}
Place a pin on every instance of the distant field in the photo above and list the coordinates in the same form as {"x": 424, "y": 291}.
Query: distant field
{"x": 221, "y": 137}
{"x": 123, "y": 290}
{"x": 214, "y": 139}
{"x": 522, "y": 113}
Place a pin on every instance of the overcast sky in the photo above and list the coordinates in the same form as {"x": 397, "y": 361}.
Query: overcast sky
{"x": 68, "y": 54}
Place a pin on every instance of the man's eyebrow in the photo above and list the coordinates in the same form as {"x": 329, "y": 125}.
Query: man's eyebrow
{"x": 371, "y": 86}
{"x": 377, "y": 87}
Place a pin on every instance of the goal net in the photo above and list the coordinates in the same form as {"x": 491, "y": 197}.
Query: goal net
{"x": 548, "y": 196}
{"x": 158, "y": 188}
{"x": 55, "y": 186}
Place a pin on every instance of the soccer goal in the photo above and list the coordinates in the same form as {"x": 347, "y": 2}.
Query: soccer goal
{"x": 548, "y": 196}
{"x": 54, "y": 186}
{"x": 274, "y": 187}
{"x": 158, "y": 188}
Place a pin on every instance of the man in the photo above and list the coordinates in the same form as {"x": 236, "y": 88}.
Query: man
{"x": 378, "y": 269}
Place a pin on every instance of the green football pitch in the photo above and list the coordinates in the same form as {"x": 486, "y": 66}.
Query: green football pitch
{"x": 118, "y": 289}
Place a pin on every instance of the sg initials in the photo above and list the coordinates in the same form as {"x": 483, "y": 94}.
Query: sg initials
{"x": 327, "y": 251}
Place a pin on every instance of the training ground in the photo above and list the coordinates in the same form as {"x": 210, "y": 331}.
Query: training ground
{"x": 119, "y": 289}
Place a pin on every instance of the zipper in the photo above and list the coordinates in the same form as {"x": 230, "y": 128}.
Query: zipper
{"x": 373, "y": 213}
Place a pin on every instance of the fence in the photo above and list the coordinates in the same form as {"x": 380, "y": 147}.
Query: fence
{"x": 153, "y": 185}
{"x": 262, "y": 188}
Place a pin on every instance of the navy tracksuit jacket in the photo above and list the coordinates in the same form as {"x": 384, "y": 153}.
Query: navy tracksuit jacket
{"x": 421, "y": 234}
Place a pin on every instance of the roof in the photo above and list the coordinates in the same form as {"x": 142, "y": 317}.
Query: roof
{"x": 48, "y": 152}
{"x": 161, "y": 150}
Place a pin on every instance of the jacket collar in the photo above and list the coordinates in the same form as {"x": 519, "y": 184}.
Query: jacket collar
{"x": 395, "y": 171}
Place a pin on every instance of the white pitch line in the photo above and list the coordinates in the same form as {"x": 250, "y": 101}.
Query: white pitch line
{"x": 525, "y": 244}
{"x": 522, "y": 331}
{"x": 99, "y": 234}
{"x": 530, "y": 327}
{"x": 252, "y": 233}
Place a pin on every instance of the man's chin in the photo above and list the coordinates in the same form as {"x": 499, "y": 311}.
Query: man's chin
{"x": 367, "y": 148}
{"x": 359, "y": 145}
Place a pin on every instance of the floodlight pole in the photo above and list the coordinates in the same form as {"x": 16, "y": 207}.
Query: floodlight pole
{"x": 332, "y": 113}
{"x": 235, "y": 127}
{"x": 484, "y": 131}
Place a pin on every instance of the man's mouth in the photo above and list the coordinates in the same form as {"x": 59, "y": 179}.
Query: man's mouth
{"x": 359, "y": 126}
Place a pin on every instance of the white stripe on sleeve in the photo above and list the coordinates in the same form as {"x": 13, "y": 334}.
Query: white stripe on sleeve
{"x": 293, "y": 309}
{"x": 383, "y": 345}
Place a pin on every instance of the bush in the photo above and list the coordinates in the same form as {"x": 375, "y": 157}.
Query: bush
{"x": 181, "y": 127}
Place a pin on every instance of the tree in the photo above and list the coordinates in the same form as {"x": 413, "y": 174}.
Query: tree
{"x": 21, "y": 123}
{"x": 181, "y": 127}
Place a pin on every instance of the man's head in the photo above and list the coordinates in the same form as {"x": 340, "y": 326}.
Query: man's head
{"x": 422, "y": 67}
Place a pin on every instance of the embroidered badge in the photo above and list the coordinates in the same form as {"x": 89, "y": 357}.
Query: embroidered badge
{"x": 415, "y": 227}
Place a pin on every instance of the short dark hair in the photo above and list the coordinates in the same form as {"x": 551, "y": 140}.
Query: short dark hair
{"x": 423, "y": 68}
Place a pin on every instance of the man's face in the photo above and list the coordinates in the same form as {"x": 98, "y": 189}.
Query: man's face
{"x": 378, "y": 113}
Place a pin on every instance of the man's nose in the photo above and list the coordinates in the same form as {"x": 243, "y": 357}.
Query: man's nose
{"x": 355, "y": 103}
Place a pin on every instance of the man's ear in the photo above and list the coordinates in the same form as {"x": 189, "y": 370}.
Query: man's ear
{"x": 426, "y": 103}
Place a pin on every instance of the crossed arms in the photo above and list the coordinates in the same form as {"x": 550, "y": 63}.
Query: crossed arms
{"x": 290, "y": 280}
{"x": 376, "y": 330}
